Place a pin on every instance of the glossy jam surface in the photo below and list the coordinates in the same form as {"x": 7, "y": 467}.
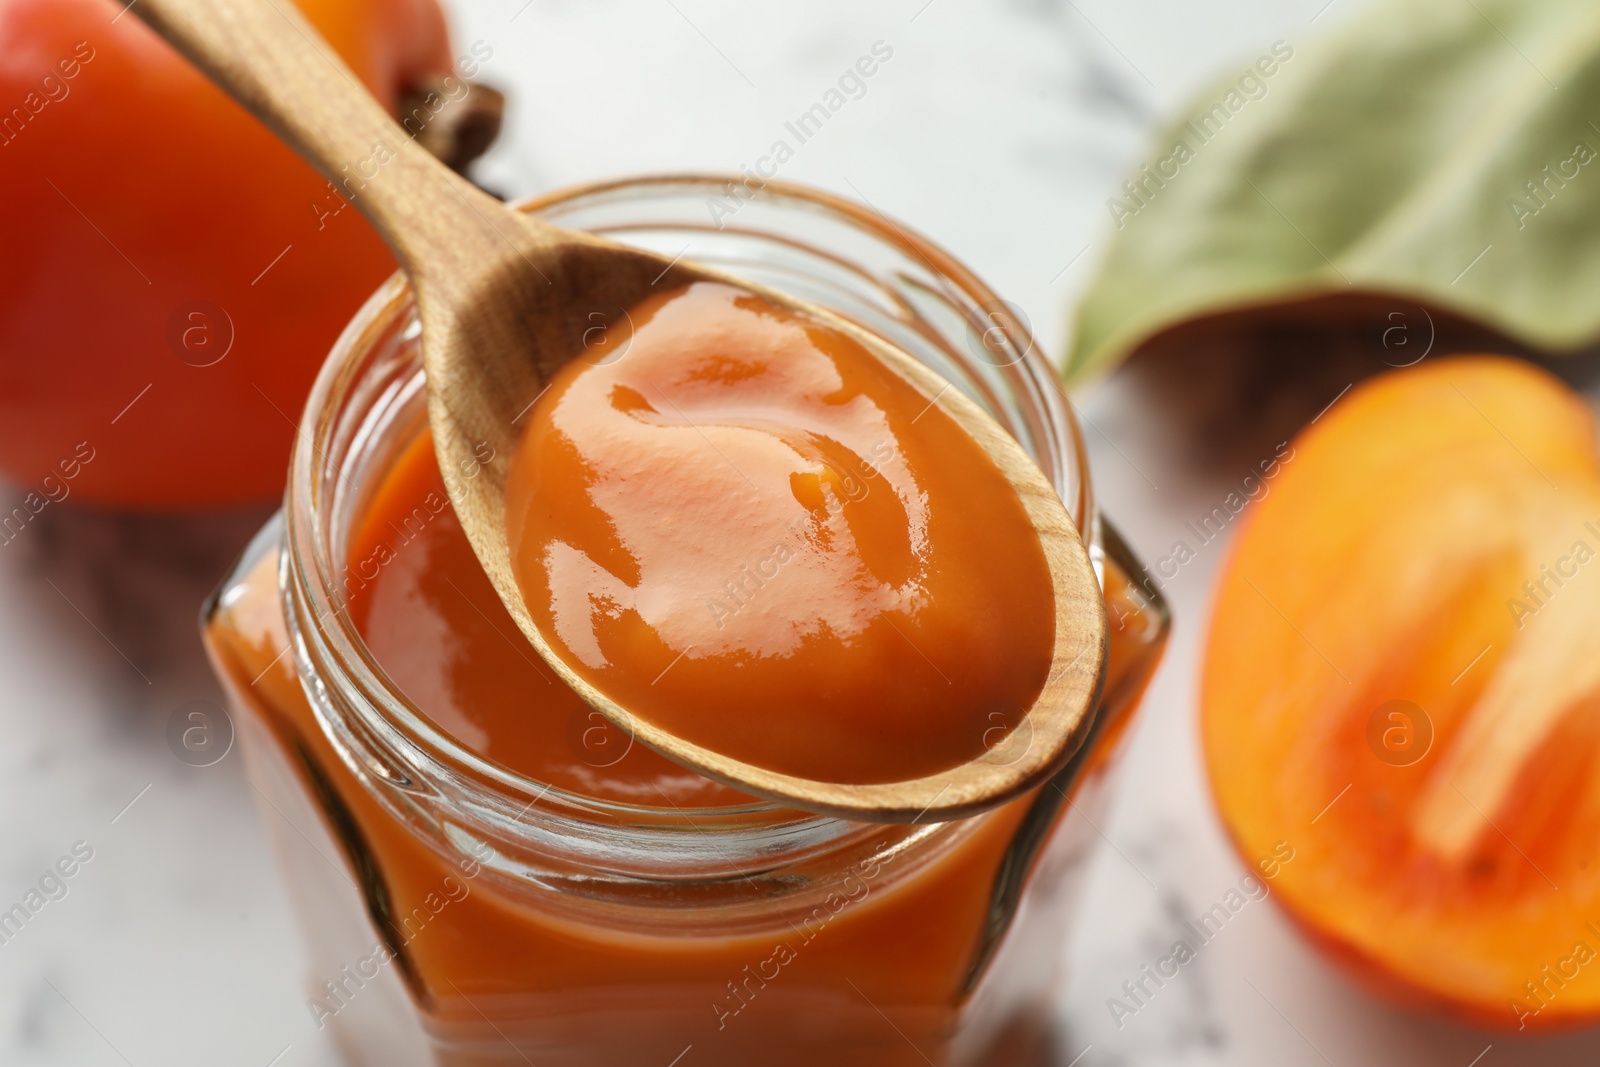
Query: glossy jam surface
{"x": 746, "y": 528}
{"x": 434, "y": 623}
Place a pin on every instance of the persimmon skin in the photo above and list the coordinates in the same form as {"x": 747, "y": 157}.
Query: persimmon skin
{"x": 1383, "y": 565}
{"x": 136, "y": 189}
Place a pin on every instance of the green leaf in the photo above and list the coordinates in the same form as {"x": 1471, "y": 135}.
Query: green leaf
{"x": 1388, "y": 158}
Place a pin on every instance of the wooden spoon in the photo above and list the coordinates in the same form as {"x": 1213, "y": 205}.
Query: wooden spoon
{"x": 505, "y": 300}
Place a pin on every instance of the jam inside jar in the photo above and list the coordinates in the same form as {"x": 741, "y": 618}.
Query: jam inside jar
{"x": 473, "y": 895}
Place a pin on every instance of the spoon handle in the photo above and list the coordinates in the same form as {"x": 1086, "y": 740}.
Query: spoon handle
{"x": 272, "y": 61}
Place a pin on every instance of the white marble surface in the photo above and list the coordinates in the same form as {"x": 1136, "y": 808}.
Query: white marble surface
{"x": 997, "y": 127}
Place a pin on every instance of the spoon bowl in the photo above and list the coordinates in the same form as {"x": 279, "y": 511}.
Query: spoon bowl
{"x": 506, "y": 300}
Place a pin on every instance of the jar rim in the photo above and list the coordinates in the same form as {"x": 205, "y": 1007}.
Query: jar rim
{"x": 311, "y": 572}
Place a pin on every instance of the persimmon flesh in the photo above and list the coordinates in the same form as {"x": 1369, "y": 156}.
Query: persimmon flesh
{"x": 1403, "y": 681}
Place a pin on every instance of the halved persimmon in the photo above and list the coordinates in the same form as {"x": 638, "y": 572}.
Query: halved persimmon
{"x": 1403, "y": 682}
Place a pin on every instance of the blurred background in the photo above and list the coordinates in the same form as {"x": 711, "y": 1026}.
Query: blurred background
{"x": 999, "y": 129}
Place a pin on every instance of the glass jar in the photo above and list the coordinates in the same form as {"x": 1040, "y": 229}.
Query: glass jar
{"x": 459, "y": 913}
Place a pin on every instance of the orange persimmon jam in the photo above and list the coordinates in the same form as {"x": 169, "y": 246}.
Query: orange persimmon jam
{"x": 434, "y": 621}
{"x": 750, "y": 531}
{"x": 488, "y": 875}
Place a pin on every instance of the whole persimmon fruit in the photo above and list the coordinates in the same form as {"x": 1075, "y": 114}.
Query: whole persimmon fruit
{"x": 1403, "y": 683}
{"x": 171, "y": 275}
